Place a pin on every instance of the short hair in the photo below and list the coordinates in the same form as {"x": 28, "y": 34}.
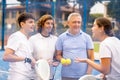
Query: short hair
{"x": 73, "y": 14}
{"x": 41, "y": 22}
{"x": 23, "y": 17}
{"x": 106, "y": 23}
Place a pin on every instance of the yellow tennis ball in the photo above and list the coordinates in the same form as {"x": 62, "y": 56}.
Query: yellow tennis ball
{"x": 63, "y": 61}
{"x": 68, "y": 61}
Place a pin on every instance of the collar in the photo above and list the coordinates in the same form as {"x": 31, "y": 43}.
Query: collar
{"x": 43, "y": 36}
{"x": 69, "y": 34}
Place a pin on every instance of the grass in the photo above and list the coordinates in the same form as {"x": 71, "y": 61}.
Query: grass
{"x": 96, "y": 46}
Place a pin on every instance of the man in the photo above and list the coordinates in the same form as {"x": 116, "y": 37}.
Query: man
{"x": 18, "y": 50}
{"x": 71, "y": 44}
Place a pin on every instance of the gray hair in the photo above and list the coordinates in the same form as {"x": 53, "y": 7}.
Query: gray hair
{"x": 73, "y": 14}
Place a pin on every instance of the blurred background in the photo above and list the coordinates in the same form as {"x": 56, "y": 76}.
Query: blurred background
{"x": 59, "y": 9}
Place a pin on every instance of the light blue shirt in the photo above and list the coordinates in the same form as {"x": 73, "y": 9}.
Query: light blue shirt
{"x": 74, "y": 46}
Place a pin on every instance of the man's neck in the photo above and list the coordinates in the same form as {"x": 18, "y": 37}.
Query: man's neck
{"x": 74, "y": 32}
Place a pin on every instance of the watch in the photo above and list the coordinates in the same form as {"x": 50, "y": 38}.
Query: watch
{"x": 27, "y": 60}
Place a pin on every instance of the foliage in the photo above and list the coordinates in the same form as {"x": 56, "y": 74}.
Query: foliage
{"x": 96, "y": 15}
{"x": 96, "y": 46}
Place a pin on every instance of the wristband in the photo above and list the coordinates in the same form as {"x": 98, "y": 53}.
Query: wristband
{"x": 28, "y": 60}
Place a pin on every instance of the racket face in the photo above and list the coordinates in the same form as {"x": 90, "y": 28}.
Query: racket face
{"x": 42, "y": 69}
{"x": 88, "y": 77}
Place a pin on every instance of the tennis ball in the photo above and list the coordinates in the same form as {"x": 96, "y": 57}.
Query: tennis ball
{"x": 68, "y": 61}
{"x": 63, "y": 61}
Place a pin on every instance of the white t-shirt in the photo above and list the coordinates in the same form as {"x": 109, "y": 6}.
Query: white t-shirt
{"x": 43, "y": 47}
{"x": 20, "y": 44}
{"x": 110, "y": 47}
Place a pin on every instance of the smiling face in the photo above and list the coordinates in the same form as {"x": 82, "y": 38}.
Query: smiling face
{"x": 26, "y": 22}
{"x": 48, "y": 25}
{"x": 97, "y": 31}
{"x": 102, "y": 28}
{"x": 45, "y": 25}
{"x": 28, "y": 26}
{"x": 75, "y": 23}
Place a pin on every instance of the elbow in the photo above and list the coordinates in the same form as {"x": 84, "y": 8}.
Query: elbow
{"x": 57, "y": 58}
{"x": 105, "y": 72}
{"x": 4, "y": 58}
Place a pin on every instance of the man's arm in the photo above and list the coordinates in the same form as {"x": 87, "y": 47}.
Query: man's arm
{"x": 11, "y": 57}
{"x": 58, "y": 55}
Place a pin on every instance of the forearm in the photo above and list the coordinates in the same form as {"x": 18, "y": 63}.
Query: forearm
{"x": 94, "y": 65}
{"x": 89, "y": 70}
{"x": 12, "y": 58}
{"x": 91, "y": 57}
{"x": 58, "y": 57}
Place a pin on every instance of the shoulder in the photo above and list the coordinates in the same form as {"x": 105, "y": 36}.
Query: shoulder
{"x": 63, "y": 35}
{"x": 54, "y": 36}
{"x": 14, "y": 40}
{"x": 35, "y": 36}
{"x": 111, "y": 40}
{"x": 85, "y": 34}
{"x": 14, "y": 36}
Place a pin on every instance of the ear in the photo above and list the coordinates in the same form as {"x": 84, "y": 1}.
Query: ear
{"x": 67, "y": 23}
{"x": 102, "y": 28}
{"x": 21, "y": 24}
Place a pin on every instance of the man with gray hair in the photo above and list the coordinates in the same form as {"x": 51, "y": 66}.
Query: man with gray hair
{"x": 71, "y": 44}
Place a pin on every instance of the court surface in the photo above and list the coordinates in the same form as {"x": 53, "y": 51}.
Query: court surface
{"x": 4, "y": 69}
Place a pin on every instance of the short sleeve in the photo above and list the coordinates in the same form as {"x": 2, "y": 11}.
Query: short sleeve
{"x": 59, "y": 44}
{"x": 13, "y": 42}
{"x": 104, "y": 51}
{"x": 89, "y": 43}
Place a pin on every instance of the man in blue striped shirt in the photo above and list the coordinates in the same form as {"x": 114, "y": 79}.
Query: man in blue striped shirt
{"x": 71, "y": 44}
